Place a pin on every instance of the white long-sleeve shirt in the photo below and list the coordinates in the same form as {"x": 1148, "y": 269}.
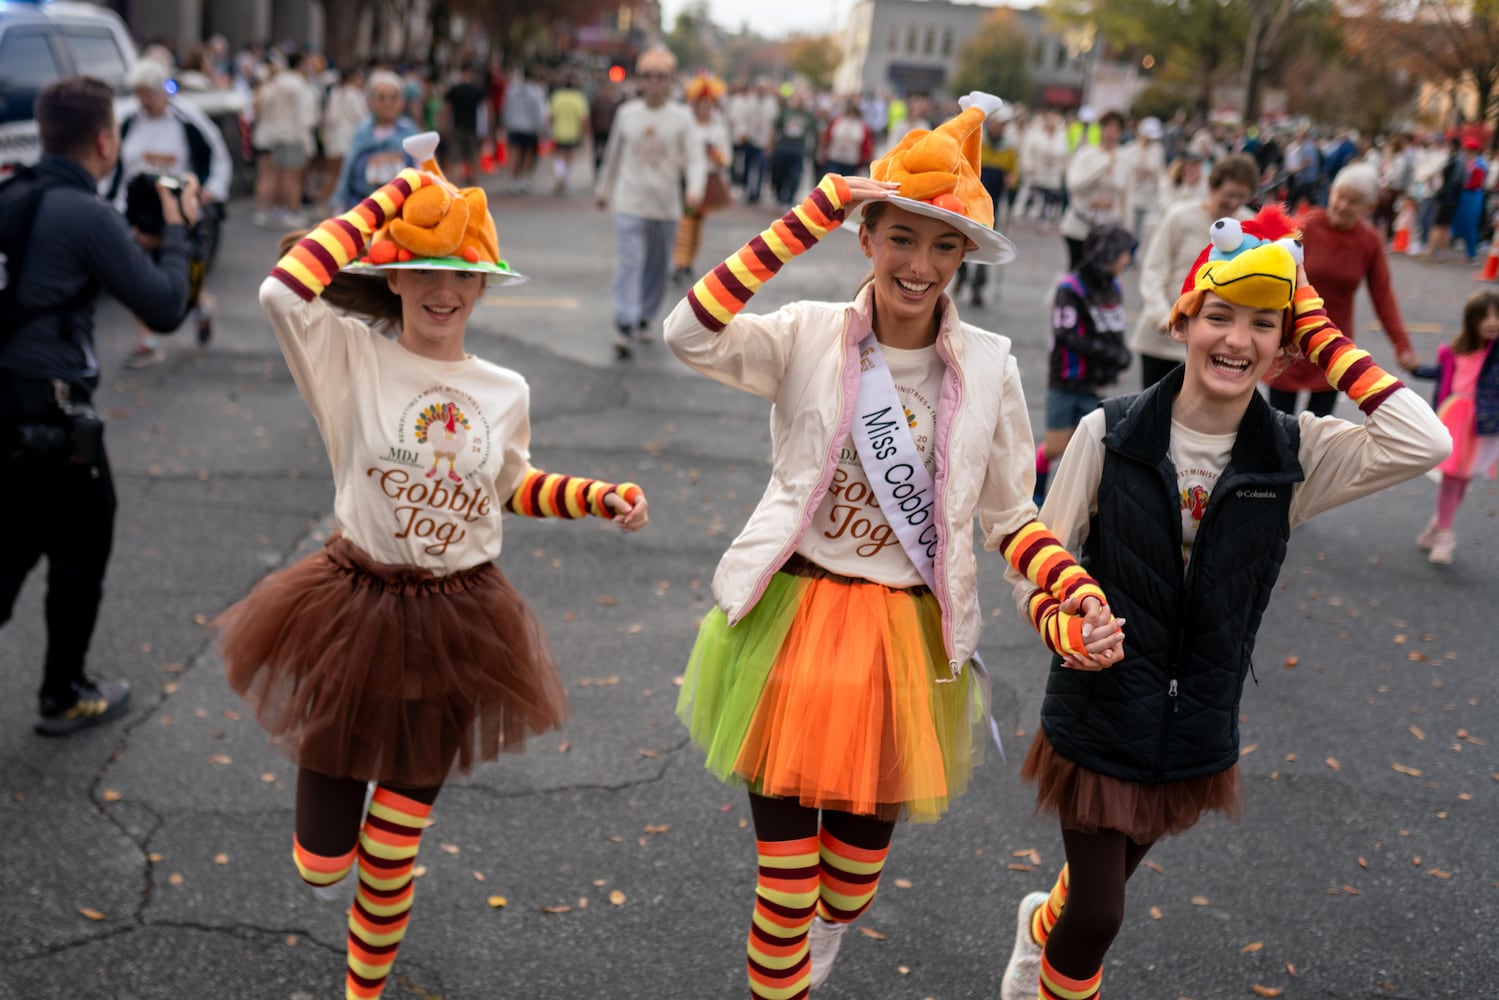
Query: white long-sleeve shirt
{"x": 649, "y": 153}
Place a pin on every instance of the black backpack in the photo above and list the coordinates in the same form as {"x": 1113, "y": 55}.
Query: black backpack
{"x": 20, "y": 197}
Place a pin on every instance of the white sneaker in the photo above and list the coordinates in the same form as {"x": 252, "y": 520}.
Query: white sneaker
{"x": 1428, "y": 536}
{"x": 1022, "y": 979}
{"x": 826, "y": 938}
{"x": 1443, "y": 543}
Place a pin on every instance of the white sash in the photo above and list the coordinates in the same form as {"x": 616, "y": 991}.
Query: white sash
{"x": 892, "y": 462}
{"x": 899, "y": 478}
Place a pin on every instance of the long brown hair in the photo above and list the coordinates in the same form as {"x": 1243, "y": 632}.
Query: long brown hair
{"x": 1477, "y": 307}
{"x": 871, "y": 218}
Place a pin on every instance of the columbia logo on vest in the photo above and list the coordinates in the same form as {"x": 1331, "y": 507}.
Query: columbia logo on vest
{"x": 1256, "y": 494}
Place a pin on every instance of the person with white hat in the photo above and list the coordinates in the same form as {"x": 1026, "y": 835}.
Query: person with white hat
{"x": 1145, "y": 160}
{"x": 836, "y": 677}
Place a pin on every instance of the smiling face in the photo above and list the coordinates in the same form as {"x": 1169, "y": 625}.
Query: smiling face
{"x": 915, "y": 256}
{"x": 1229, "y": 349}
{"x": 1346, "y": 207}
{"x": 435, "y": 307}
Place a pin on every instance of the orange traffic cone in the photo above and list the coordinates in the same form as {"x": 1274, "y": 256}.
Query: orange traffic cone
{"x": 1403, "y": 220}
{"x": 1490, "y": 270}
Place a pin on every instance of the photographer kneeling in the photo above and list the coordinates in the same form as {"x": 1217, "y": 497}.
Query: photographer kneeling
{"x": 62, "y": 244}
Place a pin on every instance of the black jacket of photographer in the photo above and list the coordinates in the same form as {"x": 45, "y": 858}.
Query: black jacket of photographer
{"x": 80, "y": 245}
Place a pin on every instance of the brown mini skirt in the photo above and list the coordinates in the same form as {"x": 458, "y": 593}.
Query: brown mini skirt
{"x": 1087, "y": 801}
{"x": 390, "y": 673}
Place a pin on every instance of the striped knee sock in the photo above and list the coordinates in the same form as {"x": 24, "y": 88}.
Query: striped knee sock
{"x": 786, "y": 898}
{"x": 382, "y": 905}
{"x": 848, "y": 880}
{"x": 1045, "y": 917}
{"x": 318, "y": 871}
{"x": 1055, "y": 986}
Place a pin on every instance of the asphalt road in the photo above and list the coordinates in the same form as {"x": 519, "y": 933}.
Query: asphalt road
{"x": 152, "y": 858}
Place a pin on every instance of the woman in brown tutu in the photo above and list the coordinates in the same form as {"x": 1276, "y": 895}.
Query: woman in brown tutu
{"x": 399, "y": 652}
{"x": 1180, "y": 500}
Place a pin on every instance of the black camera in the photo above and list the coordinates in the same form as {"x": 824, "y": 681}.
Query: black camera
{"x": 143, "y": 204}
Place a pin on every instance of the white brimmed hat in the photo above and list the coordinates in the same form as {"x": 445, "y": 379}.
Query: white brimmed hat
{"x": 938, "y": 173}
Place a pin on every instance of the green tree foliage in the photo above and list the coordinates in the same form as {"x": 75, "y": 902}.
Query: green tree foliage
{"x": 1197, "y": 44}
{"x": 815, "y": 58}
{"x": 996, "y": 59}
{"x": 688, "y": 39}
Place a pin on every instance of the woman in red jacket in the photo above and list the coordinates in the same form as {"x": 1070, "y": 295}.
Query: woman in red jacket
{"x": 1342, "y": 252}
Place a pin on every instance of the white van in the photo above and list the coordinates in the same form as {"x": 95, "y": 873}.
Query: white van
{"x": 44, "y": 41}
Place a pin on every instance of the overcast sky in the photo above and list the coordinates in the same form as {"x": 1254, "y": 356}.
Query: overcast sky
{"x": 771, "y": 18}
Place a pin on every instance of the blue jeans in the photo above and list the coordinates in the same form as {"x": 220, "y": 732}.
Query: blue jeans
{"x": 644, "y": 258}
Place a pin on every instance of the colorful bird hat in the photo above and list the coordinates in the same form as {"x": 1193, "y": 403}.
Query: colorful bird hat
{"x": 1250, "y": 263}
{"x": 440, "y": 227}
{"x": 938, "y": 173}
{"x": 704, "y": 84}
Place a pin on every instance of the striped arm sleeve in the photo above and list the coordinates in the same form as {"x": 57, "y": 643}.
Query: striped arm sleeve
{"x": 1035, "y": 553}
{"x": 721, "y": 293}
{"x": 1348, "y": 367}
{"x": 311, "y": 264}
{"x": 1040, "y": 558}
{"x": 551, "y": 494}
{"x": 1062, "y": 633}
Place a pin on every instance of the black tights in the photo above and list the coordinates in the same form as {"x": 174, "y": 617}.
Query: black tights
{"x": 786, "y": 819}
{"x": 330, "y": 811}
{"x": 1100, "y": 863}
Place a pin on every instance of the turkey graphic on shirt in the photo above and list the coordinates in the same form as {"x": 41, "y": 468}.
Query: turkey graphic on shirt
{"x": 445, "y": 428}
{"x": 1195, "y": 503}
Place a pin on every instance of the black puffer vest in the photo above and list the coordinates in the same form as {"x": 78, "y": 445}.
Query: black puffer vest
{"x": 1170, "y": 709}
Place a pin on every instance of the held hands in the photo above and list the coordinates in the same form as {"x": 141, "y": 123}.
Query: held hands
{"x": 1103, "y": 634}
{"x": 630, "y": 517}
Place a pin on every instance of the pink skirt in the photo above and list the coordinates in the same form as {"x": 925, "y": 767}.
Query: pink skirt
{"x": 390, "y": 673}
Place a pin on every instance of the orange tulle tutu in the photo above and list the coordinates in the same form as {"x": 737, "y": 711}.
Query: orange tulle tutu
{"x": 1086, "y": 801}
{"x": 830, "y": 692}
{"x": 389, "y": 673}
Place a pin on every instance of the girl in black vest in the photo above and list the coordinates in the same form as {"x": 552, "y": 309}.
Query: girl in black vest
{"x": 1180, "y": 500}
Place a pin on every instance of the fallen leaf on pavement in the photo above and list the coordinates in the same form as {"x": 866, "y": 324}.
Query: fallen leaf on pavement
{"x": 1332, "y": 762}
{"x": 1155, "y": 913}
{"x": 90, "y": 912}
{"x": 1414, "y": 772}
{"x": 1267, "y": 991}
{"x": 497, "y": 902}
{"x": 617, "y": 898}
{"x": 870, "y": 932}
{"x": 1251, "y": 947}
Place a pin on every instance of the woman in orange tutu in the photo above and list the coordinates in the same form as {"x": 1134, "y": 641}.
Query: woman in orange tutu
{"x": 836, "y": 678}
{"x": 399, "y": 652}
{"x": 1180, "y": 500}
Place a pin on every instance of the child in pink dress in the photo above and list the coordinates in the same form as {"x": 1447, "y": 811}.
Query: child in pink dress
{"x": 1467, "y": 373}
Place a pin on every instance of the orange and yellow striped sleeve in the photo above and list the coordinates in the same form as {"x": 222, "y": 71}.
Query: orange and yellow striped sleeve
{"x": 551, "y": 494}
{"x": 310, "y": 265}
{"x": 721, "y": 293}
{"x": 1036, "y": 553}
{"x": 1348, "y": 367}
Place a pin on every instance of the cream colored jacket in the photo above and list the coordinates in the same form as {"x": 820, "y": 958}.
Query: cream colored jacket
{"x": 804, "y": 359}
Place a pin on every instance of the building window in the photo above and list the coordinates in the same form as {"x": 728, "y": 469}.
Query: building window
{"x": 931, "y": 41}
{"x": 894, "y": 45}
{"x": 947, "y": 41}
{"x": 911, "y": 39}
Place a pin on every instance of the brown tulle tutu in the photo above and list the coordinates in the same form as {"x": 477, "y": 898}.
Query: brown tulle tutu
{"x": 1086, "y": 801}
{"x": 389, "y": 673}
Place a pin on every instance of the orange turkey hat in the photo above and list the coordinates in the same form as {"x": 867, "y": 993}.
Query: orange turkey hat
{"x": 938, "y": 173}
{"x": 440, "y": 227}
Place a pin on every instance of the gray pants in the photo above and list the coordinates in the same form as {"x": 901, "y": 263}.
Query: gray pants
{"x": 644, "y": 260}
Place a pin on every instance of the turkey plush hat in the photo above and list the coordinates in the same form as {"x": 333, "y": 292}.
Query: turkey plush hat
{"x": 938, "y": 173}
{"x": 1251, "y": 263}
{"x": 440, "y": 227}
